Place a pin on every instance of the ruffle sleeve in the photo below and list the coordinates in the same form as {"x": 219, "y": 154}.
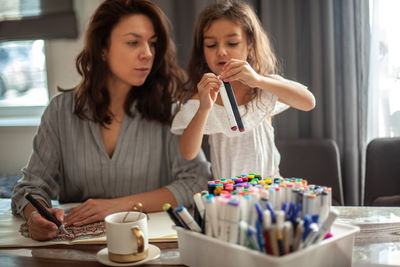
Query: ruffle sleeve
{"x": 218, "y": 122}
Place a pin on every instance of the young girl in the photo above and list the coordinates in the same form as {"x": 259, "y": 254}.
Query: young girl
{"x": 230, "y": 45}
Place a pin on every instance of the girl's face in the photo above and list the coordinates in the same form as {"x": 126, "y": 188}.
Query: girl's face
{"x": 131, "y": 52}
{"x": 222, "y": 41}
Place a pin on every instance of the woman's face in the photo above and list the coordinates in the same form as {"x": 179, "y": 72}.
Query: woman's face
{"x": 131, "y": 52}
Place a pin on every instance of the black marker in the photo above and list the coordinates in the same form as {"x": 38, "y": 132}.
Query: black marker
{"x": 167, "y": 207}
{"x": 234, "y": 106}
{"x": 45, "y": 213}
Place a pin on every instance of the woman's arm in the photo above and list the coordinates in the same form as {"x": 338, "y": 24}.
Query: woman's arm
{"x": 188, "y": 177}
{"x": 39, "y": 177}
{"x": 93, "y": 210}
{"x": 43, "y": 166}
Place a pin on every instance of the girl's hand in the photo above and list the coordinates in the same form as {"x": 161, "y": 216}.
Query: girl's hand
{"x": 42, "y": 229}
{"x": 92, "y": 210}
{"x": 240, "y": 70}
{"x": 208, "y": 89}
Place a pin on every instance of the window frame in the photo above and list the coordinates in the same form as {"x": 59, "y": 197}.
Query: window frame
{"x": 57, "y": 20}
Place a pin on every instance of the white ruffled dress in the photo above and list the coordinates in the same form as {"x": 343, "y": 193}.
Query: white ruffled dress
{"x": 232, "y": 152}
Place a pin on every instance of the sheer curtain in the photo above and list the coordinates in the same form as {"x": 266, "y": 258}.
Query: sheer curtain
{"x": 325, "y": 45}
{"x": 384, "y": 77}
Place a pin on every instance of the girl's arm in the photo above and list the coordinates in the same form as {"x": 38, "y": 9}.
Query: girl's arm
{"x": 290, "y": 93}
{"x": 190, "y": 141}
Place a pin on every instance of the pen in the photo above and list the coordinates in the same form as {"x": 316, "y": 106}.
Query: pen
{"x": 266, "y": 226}
{"x": 199, "y": 211}
{"x": 228, "y": 107}
{"x": 297, "y": 242}
{"x": 204, "y": 193}
{"x": 287, "y": 237}
{"x": 222, "y": 208}
{"x": 272, "y": 233}
{"x": 211, "y": 216}
{"x": 326, "y": 225}
{"x": 280, "y": 217}
{"x": 182, "y": 212}
{"x": 167, "y": 207}
{"x": 290, "y": 211}
{"x": 199, "y": 204}
{"x": 259, "y": 226}
{"x": 296, "y": 212}
{"x": 271, "y": 210}
{"x": 234, "y": 106}
{"x": 311, "y": 235}
{"x": 45, "y": 213}
{"x": 242, "y": 233}
{"x": 307, "y": 222}
{"x": 324, "y": 212}
{"x": 251, "y": 238}
{"x": 233, "y": 206}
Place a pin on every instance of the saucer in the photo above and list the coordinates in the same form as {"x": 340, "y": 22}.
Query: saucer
{"x": 102, "y": 257}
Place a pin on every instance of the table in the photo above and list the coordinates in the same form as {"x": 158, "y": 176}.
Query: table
{"x": 377, "y": 243}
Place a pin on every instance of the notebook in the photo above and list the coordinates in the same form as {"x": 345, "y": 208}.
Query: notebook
{"x": 14, "y": 234}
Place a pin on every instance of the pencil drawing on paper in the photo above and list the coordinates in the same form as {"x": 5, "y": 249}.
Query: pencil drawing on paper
{"x": 92, "y": 230}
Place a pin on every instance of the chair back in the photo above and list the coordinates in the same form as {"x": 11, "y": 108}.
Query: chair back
{"x": 382, "y": 172}
{"x": 316, "y": 160}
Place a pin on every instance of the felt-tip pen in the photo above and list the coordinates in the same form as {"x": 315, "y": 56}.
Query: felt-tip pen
{"x": 228, "y": 107}
{"x": 45, "y": 213}
{"x": 182, "y": 212}
{"x": 234, "y": 106}
{"x": 168, "y": 208}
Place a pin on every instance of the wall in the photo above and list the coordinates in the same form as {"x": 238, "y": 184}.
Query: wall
{"x": 16, "y": 141}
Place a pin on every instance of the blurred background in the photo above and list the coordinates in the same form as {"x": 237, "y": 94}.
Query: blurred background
{"x": 345, "y": 51}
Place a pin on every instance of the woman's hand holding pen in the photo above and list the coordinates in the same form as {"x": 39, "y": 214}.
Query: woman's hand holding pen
{"x": 240, "y": 70}
{"x": 42, "y": 229}
{"x": 208, "y": 88}
{"x": 93, "y": 210}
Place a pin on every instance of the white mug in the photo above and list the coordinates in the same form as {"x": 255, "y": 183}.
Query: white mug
{"x": 127, "y": 240}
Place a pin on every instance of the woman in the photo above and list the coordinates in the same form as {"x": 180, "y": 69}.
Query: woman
{"x": 107, "y": 143}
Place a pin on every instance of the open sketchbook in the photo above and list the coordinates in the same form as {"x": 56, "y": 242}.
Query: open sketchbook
{"x": 13, "y": 231}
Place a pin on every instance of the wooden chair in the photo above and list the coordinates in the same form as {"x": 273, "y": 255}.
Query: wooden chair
{"x": 316, "y": 160}
{"x": 382, "y": 175}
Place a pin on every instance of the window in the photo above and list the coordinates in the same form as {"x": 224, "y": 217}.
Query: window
{"x": 12, "y": 10}
{"x": 25, "y": 25}
{"x": 384, "y": 76}
{"x": 23, "y": 79}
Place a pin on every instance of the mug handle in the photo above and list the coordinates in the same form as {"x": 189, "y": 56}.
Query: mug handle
{"x": 139, "y": 237}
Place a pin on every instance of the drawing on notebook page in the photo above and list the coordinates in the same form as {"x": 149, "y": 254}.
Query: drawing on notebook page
{"x": 92, "y": 230}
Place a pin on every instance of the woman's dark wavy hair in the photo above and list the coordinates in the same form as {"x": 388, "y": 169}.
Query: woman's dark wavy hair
{"x": 155, "y": 97}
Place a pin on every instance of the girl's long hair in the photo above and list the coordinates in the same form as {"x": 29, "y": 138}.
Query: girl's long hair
{"x": 262, "y": 60}
{"x": 155, "y": 97}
